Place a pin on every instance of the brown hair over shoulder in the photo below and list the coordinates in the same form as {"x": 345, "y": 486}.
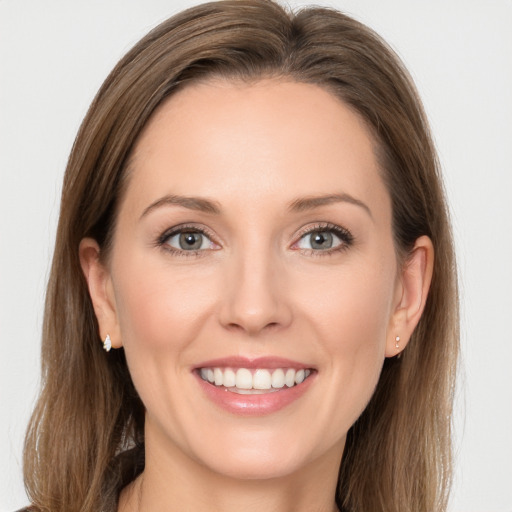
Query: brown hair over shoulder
{"x": 85, "y": 440}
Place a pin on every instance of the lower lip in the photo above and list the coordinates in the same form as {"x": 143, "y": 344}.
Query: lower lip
{"x": 255, "y": 405}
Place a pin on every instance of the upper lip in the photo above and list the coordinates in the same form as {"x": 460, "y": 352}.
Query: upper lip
{"x": 269, "y": 362}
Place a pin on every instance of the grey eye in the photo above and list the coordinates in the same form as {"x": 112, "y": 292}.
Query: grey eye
{"x": 189, "y": 241}
{"x": 319, "y": 240}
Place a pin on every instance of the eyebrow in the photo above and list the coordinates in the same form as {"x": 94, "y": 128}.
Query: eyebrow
{"x": 192, "y": 203}
{"x": 299, "y": 205}
{"x": 309, "y": 203}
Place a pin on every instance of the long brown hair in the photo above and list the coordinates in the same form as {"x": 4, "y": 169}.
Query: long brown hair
{"x": 85, "y": 439}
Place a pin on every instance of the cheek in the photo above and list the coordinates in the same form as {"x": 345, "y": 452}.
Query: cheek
{"x": 351, "y": 317}
{"x": 159, "y": 307}
{"x": 161, "y": 311}
{"x": 352, "y": 308}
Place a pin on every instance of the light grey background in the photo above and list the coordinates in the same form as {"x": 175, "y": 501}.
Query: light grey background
{"x": 54, "y": 56}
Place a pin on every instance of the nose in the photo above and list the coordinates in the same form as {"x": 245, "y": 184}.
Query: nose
{"x": 255, "y": 296}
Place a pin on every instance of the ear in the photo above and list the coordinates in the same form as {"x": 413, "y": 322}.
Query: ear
{"x": 99, "y": 282}
{"x": 413, "y": 285}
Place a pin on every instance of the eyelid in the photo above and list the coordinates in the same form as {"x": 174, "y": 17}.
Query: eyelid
{"x": 342, "y": 233}
{"x": 187, "y": 227}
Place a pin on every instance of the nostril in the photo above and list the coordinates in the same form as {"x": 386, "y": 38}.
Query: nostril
{"x": 233, "y": 326}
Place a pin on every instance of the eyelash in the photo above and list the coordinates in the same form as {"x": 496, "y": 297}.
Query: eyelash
{"x": 343, "y": 234}
{"x": 176, "y": 230}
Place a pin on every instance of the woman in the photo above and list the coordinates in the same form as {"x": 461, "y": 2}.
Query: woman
{"x": 253, "y": 227}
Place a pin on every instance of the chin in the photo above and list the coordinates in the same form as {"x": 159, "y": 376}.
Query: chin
{"x": 261, "y": 454}
{"x": 257, "y": 466}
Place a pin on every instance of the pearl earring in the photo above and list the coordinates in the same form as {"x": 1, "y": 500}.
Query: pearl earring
{"x": 107, "y": 344}
{"x": 397, "y": 346}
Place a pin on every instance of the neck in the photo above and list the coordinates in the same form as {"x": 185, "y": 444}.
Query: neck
{"x": 172, "y": 481}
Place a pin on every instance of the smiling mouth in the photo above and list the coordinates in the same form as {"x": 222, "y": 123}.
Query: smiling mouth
{"x": 246, "y": 381}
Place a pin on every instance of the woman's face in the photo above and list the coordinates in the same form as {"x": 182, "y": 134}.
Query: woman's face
{"x": 253, "y": 248}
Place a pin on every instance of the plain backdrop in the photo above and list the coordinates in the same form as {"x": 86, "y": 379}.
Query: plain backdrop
{"x": 55, "y": 54}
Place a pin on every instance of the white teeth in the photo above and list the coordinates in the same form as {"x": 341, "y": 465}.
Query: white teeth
{"x": 218, "y": 376}
{"x": 229, "y": 378}
{"x": 250, "y": 391}
{"x": 299, "y": 376}
{"x": 278, "y": 379}
{"x": 243, "y": 379}
{"x": 289, "y": 378}
{"x": 253, "y": 381}
{"x": 261, "y": 379}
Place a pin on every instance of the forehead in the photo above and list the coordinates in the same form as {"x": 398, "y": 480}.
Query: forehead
{"x": 249, "y": 141}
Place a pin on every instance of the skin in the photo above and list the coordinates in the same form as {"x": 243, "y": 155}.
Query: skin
{"x": 256, "y": 288}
